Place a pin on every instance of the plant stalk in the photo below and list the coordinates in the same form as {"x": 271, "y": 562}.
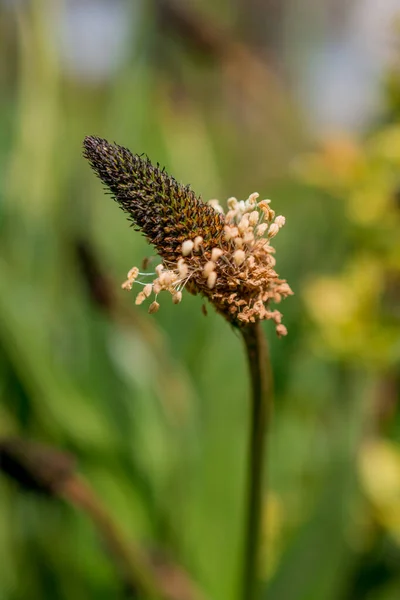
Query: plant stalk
{"x": 139, "y": 579}
{"x": 261, "y": 410}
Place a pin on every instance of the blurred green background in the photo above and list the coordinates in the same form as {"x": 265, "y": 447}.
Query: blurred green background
{"x": 283, "y": 98}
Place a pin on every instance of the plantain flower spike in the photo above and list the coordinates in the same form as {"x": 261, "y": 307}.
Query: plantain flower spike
{"x": 226, "y": 258}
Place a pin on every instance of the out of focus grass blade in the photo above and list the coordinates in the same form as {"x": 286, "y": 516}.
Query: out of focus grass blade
{"x": 57, "y": 400}
{"x": 317, "y": 564}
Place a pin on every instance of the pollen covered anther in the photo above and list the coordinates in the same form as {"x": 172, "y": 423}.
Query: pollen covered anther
{"x": 140, "y": 298}
{"x": 280, "y": 221}
{"x": 187, "y": 247}
{"x": 281, "y": 330}
{"x": 183, "y": 269}
{"x": 211, "y": 279}
{"x": 133, "y": 273}
{"x": 198, "y": 240}
{"x": 216, "y": 253}
{"x": 254, "y": 217}
{"x": 208, "y": 268}
{"x": 239, "y": 257}
{"x": 153, "y": 308}
{"x": 252, "y": 199}
{"x": 273, "y": 230}
{"x": 261, "y": 229}
{"x": 177, "y": 298}
{"x": 226, "y": 258}
{"x": 147, "y": 289}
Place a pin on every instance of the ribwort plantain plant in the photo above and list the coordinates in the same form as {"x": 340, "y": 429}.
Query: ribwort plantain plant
{"x": 226, "y": 258}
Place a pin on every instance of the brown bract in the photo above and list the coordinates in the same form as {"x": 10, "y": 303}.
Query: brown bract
{"x": 227, "y": 258}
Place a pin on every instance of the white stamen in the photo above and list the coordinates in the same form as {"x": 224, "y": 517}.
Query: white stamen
{"x": 248, "y": 237}
{"x": 273, "y": 230}
{"x": 197, "y": 243}
{"x": 239, "y": 257}
{"x": 254, "y": 217}
{"x": 216, "y": 206}
{"x": 148, "y": 288}
{"x": 261, "y": 229}
{"x": 252, "y": 199}
{"x": 264, "y": 204}
{"x": 133, "y": 273}
{"x": 281, "y": 330}
{"x": 211, "y": 279}
{"x": 140, "y": 298}
{"x": 232, "y": 203}
{"x": 187, "y": 247}
{"x": 208, "y": 268}
{"x": 183, "y": 269}
{"x": 177, "y": 297}
{"x": 244, "y": 223}
{"x": 216, "y": 253}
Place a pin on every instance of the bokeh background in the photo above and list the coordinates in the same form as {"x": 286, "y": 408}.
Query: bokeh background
{"x": 297, "y": 100}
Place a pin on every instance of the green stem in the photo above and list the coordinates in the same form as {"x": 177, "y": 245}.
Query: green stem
{"x": 261, "y": 408}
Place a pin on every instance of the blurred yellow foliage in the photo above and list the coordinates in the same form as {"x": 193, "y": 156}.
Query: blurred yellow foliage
{"x": 379, "y": 471}
{"x": 339, "y": 162}
{"x": 365, "y": 176}
{"x": 272, "y": 532}
{"x": 385, "y": 145}
{"x": 346, "y": 310}
{"x": 354, "y": 318}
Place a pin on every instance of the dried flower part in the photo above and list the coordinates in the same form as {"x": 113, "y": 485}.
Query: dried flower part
{"x": 224, "y": 257}
{"x": 140, "y": 298}
{"x": 177, "y": 297}
{"x": 131, "y": 277}
{"x": 281, "y": 330}
{"x": 154, "y": 306}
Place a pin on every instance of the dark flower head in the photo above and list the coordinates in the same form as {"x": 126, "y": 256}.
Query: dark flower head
{"x": 160, "y": 207}
{"x": 226, "y": 258}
